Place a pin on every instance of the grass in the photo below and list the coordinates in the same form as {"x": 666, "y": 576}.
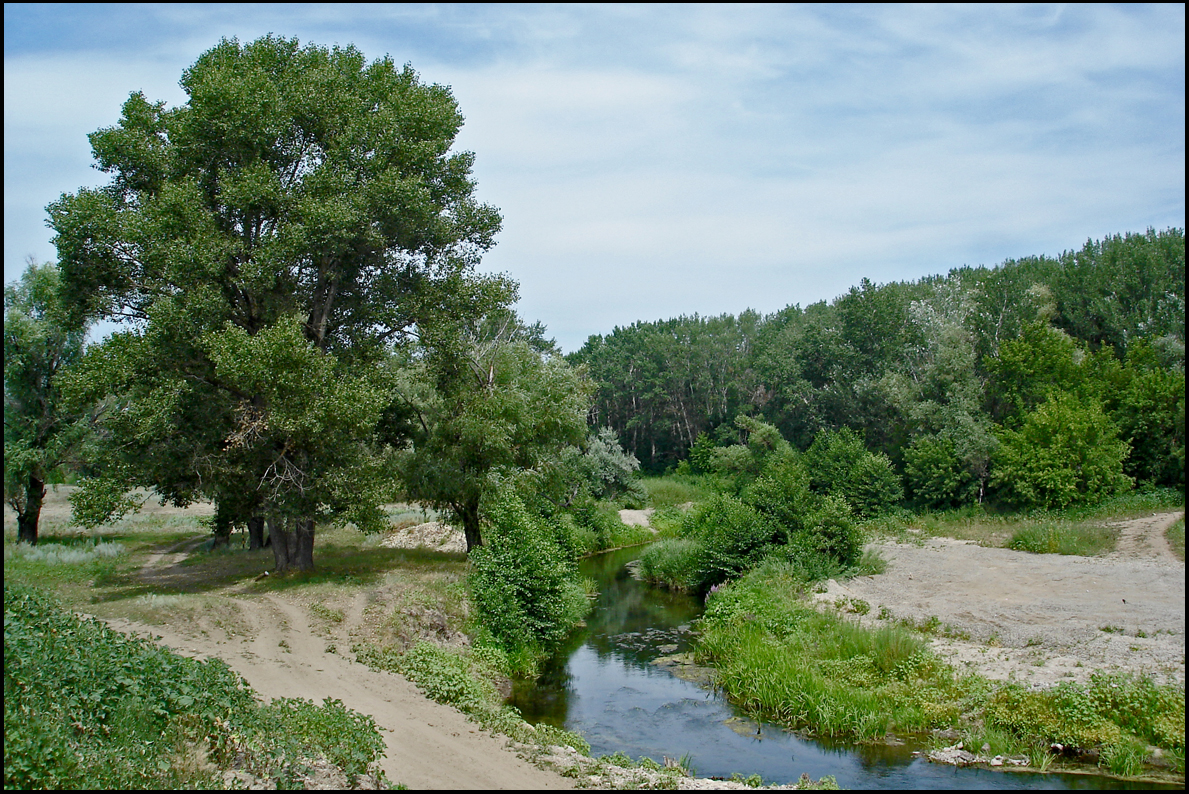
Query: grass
{"x": 89, "y": 707}
{"x": 1080, "y": 530}
{"x": 672, "y": 490}
{"x": 819, "y": 672}
{"x": 1176, "y": 538}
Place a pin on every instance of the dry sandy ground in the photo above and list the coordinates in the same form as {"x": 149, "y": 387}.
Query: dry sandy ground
{"x": 1041, "y": 618}
{"x": 428, "y": 745}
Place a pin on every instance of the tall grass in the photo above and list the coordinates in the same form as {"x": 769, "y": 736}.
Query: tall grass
{"x": 1064, "y": 538}
{"x": 672, "y": 563}
{"x": 783, "y": 660}
{"x": 1176, "y": 538}
{"x": 672, "y": 490}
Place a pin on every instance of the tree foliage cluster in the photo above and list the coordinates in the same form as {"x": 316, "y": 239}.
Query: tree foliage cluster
{"x": 303, "y": 334}
{"x": 948, "y": 381}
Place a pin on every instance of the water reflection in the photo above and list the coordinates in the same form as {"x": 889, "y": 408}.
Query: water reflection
{"x": 603, "y": 685}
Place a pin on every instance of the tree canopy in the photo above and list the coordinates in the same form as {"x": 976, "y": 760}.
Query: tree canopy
{"x": 265, "y": 246}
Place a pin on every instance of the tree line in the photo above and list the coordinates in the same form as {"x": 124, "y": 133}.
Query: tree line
{"x": 951, "y": 377}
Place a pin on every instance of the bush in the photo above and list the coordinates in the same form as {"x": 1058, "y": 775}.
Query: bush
{"x": 524, "y": 587}
{"x": 937, "y": 477}
{"x": 734, "y": 537}
{"x": 1065, "y": 453}
{"x": 838, "y": 463}
{"x": 830, "y": 538}
{"x": 873, "y": 487}
{"x": 782, "y": 493}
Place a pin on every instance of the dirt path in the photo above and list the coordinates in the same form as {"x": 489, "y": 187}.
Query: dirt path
{"x": 1040, "y": 618}
{"x": 428, "y": 745}
{"x": 271, "y": 642}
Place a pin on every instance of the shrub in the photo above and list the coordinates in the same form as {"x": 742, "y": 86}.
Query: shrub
{"x": 734, "y": 537}
{"x": 830, "y": 534}
{"x": 524, "y": 587}
{"x": 1065, "y": 453}
{"x": 782, "y": 493}
{"x": 873, "y": 487}
{"x": 838, "y": 463}
{"x": 937, "y": 477}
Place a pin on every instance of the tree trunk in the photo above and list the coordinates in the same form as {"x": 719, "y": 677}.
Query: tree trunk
{"x": 292, "y": 543}
{"x": 255, "y": 533}
{"x": 469, "y": 513}
{"x": 284, "y": 544}
{"x": 27, "y": 519}
{"x": 304, "y": 550}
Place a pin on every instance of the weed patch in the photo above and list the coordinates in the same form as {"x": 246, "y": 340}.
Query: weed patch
{"x": 87, "y": 707}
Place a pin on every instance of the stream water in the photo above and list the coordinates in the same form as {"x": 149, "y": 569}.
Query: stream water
{"x": 602, "y": 684}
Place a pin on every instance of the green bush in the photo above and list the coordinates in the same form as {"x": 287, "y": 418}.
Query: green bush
{"x": 524, "y": 586}
{"x": 937, "y": 477}
{"x": 1066, "y": 452}
{"x": 782, "y": 493}
{"x": 839, "y": 464}
{"x": 734, "y": 537}
{"x": 873, "y": 486}
{"x": 830, "y": 535}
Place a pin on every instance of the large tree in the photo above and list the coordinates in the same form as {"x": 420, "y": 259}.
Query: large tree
{"x": 266, "y": 244}
{"x": 40, "y": 433}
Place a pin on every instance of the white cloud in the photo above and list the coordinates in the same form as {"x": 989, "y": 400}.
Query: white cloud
{"x": 652, "y": 161}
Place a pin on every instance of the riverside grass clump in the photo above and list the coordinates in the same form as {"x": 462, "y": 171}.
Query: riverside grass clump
{"x": 785, "y": 661}
{"x": 466, "y": 679}
{"x": 90, "y": 708}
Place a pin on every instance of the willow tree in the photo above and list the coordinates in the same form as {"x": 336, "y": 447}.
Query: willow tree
{"x": 265, "y": 245}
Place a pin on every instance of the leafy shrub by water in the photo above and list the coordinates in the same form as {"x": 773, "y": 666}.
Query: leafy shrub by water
{"x": 734, "y": 537}
{"x": 525, "y": 589}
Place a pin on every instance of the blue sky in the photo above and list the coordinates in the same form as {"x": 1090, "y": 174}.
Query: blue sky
{"x": 652, "y": 161}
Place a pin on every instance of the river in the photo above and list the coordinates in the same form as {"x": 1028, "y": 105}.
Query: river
{"x": 602, "y": 684}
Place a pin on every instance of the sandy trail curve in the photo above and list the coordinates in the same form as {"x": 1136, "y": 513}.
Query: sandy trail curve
{"x": 1041, "y": 618}
{"x": 275, "y": 649}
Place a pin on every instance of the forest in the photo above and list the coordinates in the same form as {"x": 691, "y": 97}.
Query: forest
{"x": 950, "y": 378}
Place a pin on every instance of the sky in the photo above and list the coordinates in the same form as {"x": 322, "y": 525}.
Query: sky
{"x": 656, "y": 161}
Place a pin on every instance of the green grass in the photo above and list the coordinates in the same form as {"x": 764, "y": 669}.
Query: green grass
{"x": 1045, "y": 537}
{"x": 89, "y": 707}
{"x": 783, "y": 660}
{"x": 672, "y": 490}
{"x": 1176, "y": 538}
{"x": 672, "y": 563}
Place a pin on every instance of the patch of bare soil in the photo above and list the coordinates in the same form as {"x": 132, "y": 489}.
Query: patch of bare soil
{"x": 636, "y": 518}
{"x": 1039, "y": 618}
{"x": 281, "y": 655}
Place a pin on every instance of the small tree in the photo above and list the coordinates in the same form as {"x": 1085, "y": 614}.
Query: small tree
{"x": 1066, "y": 452}
{"x": 40, "y": 434}
{"x": 495, "y": 414}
